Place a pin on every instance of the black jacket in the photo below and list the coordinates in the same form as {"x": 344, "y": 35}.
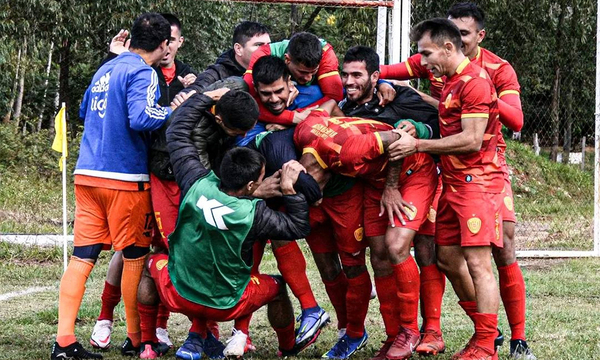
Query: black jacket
{"x": 268, "y": 224}
{"x": 407, "y": 104}
{"x": 224, "y": 67}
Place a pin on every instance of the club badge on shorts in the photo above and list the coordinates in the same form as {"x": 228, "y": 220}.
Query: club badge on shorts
{"x": 474, "y": 225}
{"x": 160, "y": 264}
{"x": 359, "y": 233}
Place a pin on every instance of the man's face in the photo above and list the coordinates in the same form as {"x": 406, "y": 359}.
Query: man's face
{"x": 470, "y": 34}
{"x": 357, "y": 82}
{"x": 229, "y": 131}
{"x": 244, "y": 52}
{"x": 300, "y": 73}
{"x": 434, "y": 57}
{"x": 174, "y": 45}
{"x": 274, "y": 96}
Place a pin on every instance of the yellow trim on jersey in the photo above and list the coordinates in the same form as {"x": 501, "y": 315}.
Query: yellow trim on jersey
{"x": 478, "y": 53}
{"x": 331, "y": 73}
{"x": 316, "y": 155}
{"x": 410, "y": 70}
{"x": 362, "y": 121}
{"x": 475, "y": 115}
{"x": 248, "y": 72}
{"x": 509, "y": 92}
{"x": 462, "y": 65}
{"x": 380, "y": 143}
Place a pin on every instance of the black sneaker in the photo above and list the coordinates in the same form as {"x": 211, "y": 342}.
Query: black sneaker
{"x": 74, "y": 351}
{"x": 127, "y": 349}
{"x": 499, "y": 341}
{"x": 520, "y": 350}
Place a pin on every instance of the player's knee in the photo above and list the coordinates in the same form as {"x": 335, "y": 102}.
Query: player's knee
{"x": 135, "y": 252}
{"x": 504, "y": 256}
{"x": 147, "y": 292}
{"x": 88, "y": 252}
{"x": 424, "y": 250}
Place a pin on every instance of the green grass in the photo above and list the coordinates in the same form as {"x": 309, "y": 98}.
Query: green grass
{"x": 562, "y": 307}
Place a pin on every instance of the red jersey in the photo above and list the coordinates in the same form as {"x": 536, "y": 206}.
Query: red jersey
{"x": 469, "y": 93}
{"x": 412, "y": 69}
{"x": 348, "y": 145}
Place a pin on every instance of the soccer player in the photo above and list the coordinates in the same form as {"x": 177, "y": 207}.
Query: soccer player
{"x": 111, "y": 178}
{"x": 208, "y": 273}
{"x": 360, "y": 73}
{"x": 173, "y": 76}
{"x": 468, "y": 219}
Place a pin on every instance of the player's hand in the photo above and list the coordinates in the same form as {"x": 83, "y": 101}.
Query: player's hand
{"x": 188, "y": 80}
{"x": 289, "y": 175}
{"x": 301, "y": 115}
{"x": 181, "y": 98}
{"x": 385, "y": 93}
{"x": 293, "y": 94}
{"x": 270, "y": 187}
{"x": 119, "y": 43}
{"x": 275, "y": 127}
{"x": 216, "y": 94}
{"x": 402, "y": 147}
{"x": 408, "y": 127}
{"x": 393, "y": 203}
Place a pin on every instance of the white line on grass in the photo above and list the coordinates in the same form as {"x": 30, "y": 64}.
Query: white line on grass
{"x": 31, "y": 290}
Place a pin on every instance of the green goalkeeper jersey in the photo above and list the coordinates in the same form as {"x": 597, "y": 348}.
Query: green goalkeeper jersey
{"x": 205, "y": 262}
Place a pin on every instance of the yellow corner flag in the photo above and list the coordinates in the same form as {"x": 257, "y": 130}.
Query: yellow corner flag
{"x": 60, "y": 139}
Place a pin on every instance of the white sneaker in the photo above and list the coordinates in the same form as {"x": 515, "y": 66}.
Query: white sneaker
{"x": 163, "y": 336}
{"x": 341, "y": 333}
{"x": 101, "y": 335}
{"x": 373, "y": 292}
{"x": 235, "y": 345}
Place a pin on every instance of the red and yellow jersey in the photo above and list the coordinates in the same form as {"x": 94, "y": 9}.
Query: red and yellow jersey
{"x": 350, "y": 146}
{"x": 469, "y": 93}
{"x": 412, "y": 69}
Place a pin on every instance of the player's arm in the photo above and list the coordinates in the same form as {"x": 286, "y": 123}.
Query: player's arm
{"x": 144, "y": 113}
{"x": 187, "y": 166}
{"x": 406, "y": 70}
{"x": 263, "y": 50}
{"x": 204, "y": 79}
{"x": 328, "y": 75}
{"x": 391, "y": 199}
{"x": 509, "y": 101}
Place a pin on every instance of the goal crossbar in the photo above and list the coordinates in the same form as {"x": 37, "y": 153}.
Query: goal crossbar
{"x": 344, "y": 3}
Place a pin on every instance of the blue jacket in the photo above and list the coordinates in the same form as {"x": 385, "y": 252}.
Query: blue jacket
{"x": 119, "y": 110}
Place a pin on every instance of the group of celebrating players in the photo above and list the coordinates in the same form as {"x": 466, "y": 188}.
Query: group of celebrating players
{"x": 272, "y": 144}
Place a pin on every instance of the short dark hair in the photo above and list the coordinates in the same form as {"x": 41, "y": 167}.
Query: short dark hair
{"x": 468, "y": 9}
{"x": 149, "y": 30}
{"x": 238, "y": 110}
{"x": 439, "y": 30}
{"x": 173, "y": 20}
{"x": 269, "y": 69}
{"x": 246, "y": 30}
{"x": 306, "y": 49}
{"x": 239, "y": 166}
{"x": 364, "y": 54}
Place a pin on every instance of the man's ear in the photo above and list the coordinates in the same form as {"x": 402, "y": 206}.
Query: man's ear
{"x": 449, "y": 47}
{"x": 219, "y": 120}
{"x": 181, "y": 40}
{"x": 480, "y": 36}
{"x": 375, "y": 76}
{"x": 238, "y": 49}
{"x": 249, "y": 186}
{"x": 287, "y": 58}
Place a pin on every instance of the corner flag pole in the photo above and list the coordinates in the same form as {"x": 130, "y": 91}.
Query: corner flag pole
{"x": 64, "y": 188}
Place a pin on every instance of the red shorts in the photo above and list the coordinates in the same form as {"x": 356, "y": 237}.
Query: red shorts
{"x": 428, "y": 227}
{"x": 165, "y": 201}
{"x": 468, "y": 219}
{"x": 261, "y": 290}
{"x": 336, "y": 224}
{"x": 416, "y": 188}
{"x": 508, "y": 203}
{"x": 120, "y": 218}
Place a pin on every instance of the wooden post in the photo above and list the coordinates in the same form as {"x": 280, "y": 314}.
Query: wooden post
{"x": 536, "y": 144}
{"x": 582, "y": 153}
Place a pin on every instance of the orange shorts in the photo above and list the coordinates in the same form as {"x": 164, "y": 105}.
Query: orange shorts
{"x": 428, "y": 227}
{"x": 112, "y": 217}
{"x": 417, "y": 188}
{"x": 336, "y": 224}
{"x": 261, "y": 290}
{"x": 468, "y": 219}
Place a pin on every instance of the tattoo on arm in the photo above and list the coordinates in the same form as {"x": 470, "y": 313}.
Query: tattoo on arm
{"x": 393, "y": 175}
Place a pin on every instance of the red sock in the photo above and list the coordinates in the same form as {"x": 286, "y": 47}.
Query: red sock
{"x": 387, "y": 293}
{"x": 357, "y": 304}
{"x": 213, "y": 327}
{"x": 292, "y": 266}
{"x": 433, "y": 284}
{"x": 286, "y": 336}
{"x": 485, "y": 330}
{"x": 198, "y": 326}
{"x": 336, "y": 290}
{"x": 162, "y": 317}
{"x": 243, "y": 323}
{"x": 407, "y": 283}
{"x": 258, "y": 250}
{"x": 148, "y": 316}
{"x": 512, "y": 291}
{"x": 470, "y": 307}
{"x": 111, "y": 296}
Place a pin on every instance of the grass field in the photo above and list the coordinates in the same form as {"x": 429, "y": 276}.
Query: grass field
{"x": 562, "y": 307}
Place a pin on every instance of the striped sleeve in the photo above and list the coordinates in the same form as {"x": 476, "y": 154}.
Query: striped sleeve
{"x": 142, "y": 96}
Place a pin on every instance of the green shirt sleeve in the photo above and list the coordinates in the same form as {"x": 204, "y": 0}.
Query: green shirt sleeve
{"x": 422, "y": 130}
